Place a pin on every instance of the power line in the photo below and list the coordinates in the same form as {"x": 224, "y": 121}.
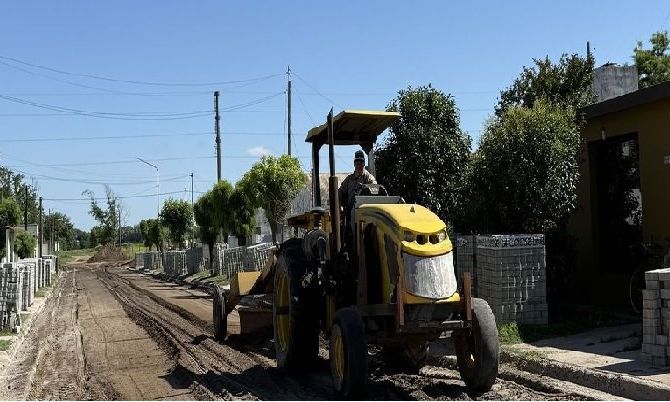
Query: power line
{"x": 137, "y": 82}
{"x": 110, "y": 115}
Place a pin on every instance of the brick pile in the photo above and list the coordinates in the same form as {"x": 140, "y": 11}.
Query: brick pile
{"x": 175, "y": 263}
{"x": 257, "y": 255}
{"x": 152, "y": 260}
{"x": 194, "y": 260}
{"x": 139, "y": 260}
{"x": 218, "y": 257}
{"x": 11, "y": 295}
{"x": 464, "y": 259}
{"x": 656, "y": 317}
{"x": 511, "y": 277}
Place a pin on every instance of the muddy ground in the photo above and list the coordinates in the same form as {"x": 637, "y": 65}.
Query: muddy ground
{"x": 109, "y": 333}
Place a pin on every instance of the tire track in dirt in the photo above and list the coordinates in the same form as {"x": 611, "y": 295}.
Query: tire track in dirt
{"x": 240, "y": 370}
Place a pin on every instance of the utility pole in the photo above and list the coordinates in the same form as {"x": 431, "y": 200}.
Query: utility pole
{"x": 218, "y": 135}
{"x": 119, "y": 228}
{"x": 191, "y": 190}
{"x": 288, "y": 74}
{"x": 51, "y": 232}
{"x": 40, "y": 228}
{"x": 25, "y": 209}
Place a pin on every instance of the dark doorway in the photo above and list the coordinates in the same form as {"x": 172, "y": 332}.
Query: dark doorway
{"x": 617, "y": 203}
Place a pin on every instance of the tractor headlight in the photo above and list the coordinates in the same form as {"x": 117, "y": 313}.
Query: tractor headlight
{"x": 442, "y": 235}
{"x": 408, "y": 236}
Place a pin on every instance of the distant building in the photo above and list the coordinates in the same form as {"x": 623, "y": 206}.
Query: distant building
{"x": 611, "y": 80}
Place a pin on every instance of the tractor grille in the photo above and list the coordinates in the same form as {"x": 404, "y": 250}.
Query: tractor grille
{"x": 431, "y": 277}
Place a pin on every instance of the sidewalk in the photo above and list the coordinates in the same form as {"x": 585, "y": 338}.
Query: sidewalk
{"x": 605, "y": 358}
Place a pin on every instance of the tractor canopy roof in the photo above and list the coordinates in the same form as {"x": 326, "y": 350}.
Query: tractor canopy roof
{"x": 354, "y": 127}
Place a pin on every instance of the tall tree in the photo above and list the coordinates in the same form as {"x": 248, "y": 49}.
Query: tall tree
{"x": 653, "y": 65}
{"x": 177, "y": 216}
{"x": 566, "y": 83}
{"x": 107, "y": 218}
{"x": 220, "y": 198}
{"x": 243, "y": 212}
{"x": 206, "y": 220}
{"x": 62, "y": 228}
{"x": 12, "y": 185}
{"x": 425, "y": 154}
{"x": 273, "y": 182}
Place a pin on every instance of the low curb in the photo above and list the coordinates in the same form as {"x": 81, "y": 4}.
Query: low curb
{"x": 623, "y": 385}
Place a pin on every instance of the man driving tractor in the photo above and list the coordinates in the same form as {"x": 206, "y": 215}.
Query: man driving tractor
{"x": 359, "y": 176}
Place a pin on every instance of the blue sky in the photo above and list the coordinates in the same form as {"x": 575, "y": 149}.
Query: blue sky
{"x": 343, "y": 54}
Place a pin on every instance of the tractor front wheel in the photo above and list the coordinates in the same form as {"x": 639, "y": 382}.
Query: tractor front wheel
{"x": 348, "y": 353}
{"x": 477, "y": 348}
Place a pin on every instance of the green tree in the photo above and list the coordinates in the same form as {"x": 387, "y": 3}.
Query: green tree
{"x": 12, "y": 185}
{"x": 24, "y": 244}
{"x": 653, "y": 65}
{"x": 82, "y": 239}
{"x": 62, "y": 228}
{"x": 523, "y": 176}
{"x": 10, "y": 215}
{"x": 425, "y": 154}
{"x": 205, "y": 217}
{"x": 220, "y": 197}
{"x": 177, "y": 216}
{"x": 566, "y": 83}
{"x": 242, "y": 211}
{"x": 108, "y": 218}
{"x": 273, "y": 182}
{"x": 155, "y": 234}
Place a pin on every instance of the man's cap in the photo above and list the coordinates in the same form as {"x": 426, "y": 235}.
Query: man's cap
{"x": 359, "y": 156}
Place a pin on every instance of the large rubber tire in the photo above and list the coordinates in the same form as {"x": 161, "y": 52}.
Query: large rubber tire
{"x": 477, "y": 349}
{"x": 295, "y": 311}
{"x": 348, "y": 354}
{"x": 219, "y": 315}
{"x": 412, "y": 355}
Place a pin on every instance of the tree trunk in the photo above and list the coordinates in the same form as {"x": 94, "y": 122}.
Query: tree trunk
{"x": 210, "y": 246}
{"x": 273, "y": 229}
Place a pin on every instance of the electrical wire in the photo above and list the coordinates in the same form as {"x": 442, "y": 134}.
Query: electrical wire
{"x": 137, "y": 82}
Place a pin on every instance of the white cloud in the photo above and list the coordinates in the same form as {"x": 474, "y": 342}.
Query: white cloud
{"x": 259, "y": 151}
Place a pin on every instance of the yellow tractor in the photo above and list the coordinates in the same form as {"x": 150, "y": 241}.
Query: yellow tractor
{"x": 378, "y": 271}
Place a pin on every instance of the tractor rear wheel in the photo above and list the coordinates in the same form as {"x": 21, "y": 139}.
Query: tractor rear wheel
{"x": 348, "y": 353}
{"x": 220, "y": 317}
{"x": 477, "y": 348}
{"x": 294, "y": 311}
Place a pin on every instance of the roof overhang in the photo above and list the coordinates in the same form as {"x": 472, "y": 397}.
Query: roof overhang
{"x": 354, "y": 127}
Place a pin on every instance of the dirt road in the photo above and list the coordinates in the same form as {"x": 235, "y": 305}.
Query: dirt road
{"x": 112, "y": 334}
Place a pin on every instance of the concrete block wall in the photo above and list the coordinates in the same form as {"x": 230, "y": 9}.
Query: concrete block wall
{"x": 511, "y": 277}
{"x": 257, "y": 255}
{"x": 656, "y": 318}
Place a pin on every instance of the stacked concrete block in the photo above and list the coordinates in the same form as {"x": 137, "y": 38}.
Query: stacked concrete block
{"x": 656, "y": 318}
{"x": 511, "y": 277}
{"x": 11, "y": 295}
{"x": 464, "y": 261}
{"x": 218, "y": 257}
{"x": 194, "y": 260}
{"x": 139, "y": 260}
{"x": 152, "y": 260}
{"x": 257, "y": 255}
{"x": 27, "y": 293}
{"x": 233, "y": 261}
{"x": 175, "y": 263}
{"x": 48, "y": 268}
